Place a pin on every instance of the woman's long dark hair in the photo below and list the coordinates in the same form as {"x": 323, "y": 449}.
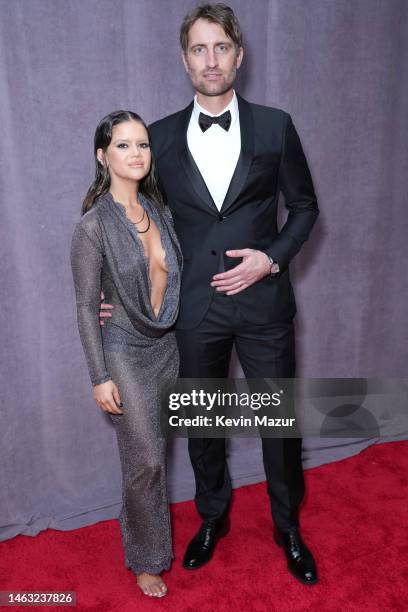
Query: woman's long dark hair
{"x": 103, "y": 135}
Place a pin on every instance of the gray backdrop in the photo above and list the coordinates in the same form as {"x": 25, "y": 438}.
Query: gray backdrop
{"x": 338, "y": 66}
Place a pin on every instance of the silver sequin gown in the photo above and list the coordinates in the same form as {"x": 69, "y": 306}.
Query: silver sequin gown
{"x": 138, "y": 351}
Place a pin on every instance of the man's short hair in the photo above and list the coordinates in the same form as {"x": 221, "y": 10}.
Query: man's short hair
{"x": 221, "y": 14}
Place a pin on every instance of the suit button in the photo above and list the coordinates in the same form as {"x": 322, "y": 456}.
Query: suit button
{"x": 213, "y": 252}
{"x": 221, "y": 218}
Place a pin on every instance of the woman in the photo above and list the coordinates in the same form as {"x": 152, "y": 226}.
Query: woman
{"x": 125, "y": 245}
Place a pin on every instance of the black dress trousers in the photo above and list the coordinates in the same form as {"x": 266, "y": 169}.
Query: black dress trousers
{"x": 264, "y": 351}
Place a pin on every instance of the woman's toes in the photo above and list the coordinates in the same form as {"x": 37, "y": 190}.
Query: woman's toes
{"x": 151, "y": 585}
{"x": 161, "y": 589}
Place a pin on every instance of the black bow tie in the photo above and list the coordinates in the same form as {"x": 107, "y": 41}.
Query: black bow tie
{"x": 206, "y": 121}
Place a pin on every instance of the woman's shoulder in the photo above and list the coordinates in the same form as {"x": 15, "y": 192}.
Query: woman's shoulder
{"x": 90, "y": 221}
{"x": 89, "y": 227}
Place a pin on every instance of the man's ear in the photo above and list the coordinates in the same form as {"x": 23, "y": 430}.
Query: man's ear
{"x": 240, "y": 56}
{"x": 183, "y": 57}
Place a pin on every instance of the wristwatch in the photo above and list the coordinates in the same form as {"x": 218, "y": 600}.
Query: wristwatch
{"x": 274, "y": 265}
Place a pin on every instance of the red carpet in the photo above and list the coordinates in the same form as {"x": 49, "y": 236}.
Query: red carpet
{"x": 354, "y": 519}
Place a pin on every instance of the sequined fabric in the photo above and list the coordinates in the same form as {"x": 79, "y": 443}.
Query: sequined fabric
{"x": 138, "y": 351}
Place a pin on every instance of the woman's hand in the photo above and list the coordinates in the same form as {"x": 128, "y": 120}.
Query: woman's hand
{"x": 105, "y": 310}
{"x": 107, "y": 397}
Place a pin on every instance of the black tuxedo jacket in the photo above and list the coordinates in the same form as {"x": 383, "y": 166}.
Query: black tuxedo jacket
{"x": 271, "y": 160}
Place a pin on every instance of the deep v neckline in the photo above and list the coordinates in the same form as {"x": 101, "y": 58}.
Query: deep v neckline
{"x": 146, "y": 258}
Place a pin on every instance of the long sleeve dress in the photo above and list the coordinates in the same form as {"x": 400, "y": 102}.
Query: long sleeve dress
{"x": 137, "y": 350}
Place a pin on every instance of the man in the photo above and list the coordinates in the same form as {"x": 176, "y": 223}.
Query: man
{"x": 222, "y": 163}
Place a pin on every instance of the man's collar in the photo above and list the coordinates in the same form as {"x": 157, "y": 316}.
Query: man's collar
{"x": 232, "y": 107}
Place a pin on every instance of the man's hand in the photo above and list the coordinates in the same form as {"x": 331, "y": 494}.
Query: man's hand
{"x": 106, "y": 395}
{"x": 105, "y": 310}
{"x": 254, "y": 266}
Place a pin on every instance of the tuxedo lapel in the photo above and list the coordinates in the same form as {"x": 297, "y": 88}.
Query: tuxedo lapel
{"x": 188, "y": 163}
{"x": 239, "y": 177}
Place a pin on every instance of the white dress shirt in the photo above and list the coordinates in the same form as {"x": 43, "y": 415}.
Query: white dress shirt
{"x": 215, "y": 151}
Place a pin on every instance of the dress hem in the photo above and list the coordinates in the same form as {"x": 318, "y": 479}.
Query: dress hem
{"x": 149, "y": 569}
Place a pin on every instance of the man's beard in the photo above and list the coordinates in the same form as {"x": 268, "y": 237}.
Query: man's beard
{"x": 218, "y": 89}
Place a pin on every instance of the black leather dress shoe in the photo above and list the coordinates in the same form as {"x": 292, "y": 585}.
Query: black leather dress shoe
{"x": 300, "y": 560}
{"x": 201, "y": 547}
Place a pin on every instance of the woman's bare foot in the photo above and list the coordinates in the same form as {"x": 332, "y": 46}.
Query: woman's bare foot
{"x": 151, "y": 585}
